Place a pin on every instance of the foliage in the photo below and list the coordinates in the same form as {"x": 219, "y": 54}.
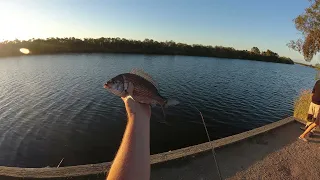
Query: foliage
{"x": 121, "y": 45}
{"x": 301, "y": 105}
{"x": 270, "y": 53}
{"x": 255, "y": 50}
{"x": 317, "y": 66}
{"x": 308, "y": 24}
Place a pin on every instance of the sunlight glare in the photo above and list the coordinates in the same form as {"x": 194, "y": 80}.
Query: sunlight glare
{"x": 24, "y": 50}
{"x": 14, "y": 24}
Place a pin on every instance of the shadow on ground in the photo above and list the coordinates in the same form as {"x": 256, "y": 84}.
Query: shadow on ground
{"x": 231, "y": 159}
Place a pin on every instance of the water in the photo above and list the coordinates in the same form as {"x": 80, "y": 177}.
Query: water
{"x": 54, "y": 107}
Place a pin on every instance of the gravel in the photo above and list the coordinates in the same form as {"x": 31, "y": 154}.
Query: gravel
{"x": 299, "y": 160}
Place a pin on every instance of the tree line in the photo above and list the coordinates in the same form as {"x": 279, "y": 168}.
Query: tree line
{"x": 121, "y": 45}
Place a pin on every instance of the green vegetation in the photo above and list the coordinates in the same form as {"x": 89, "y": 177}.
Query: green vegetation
{"x": 308, "y": 24}
{"x": 118, "y": 45}
{"x": 316, "y": 66}
{"x": 301, "y": 105}
{"x": 255, "y": 50}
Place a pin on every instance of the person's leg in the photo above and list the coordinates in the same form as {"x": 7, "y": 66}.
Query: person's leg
{"x": 303, "y": 135}
{"x": 312, "y": 116}
{"x": 313, "y": 130}
{"x": 313, "y": 125}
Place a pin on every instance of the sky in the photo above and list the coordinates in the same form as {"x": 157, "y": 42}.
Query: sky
{"x": 231, "y": 23}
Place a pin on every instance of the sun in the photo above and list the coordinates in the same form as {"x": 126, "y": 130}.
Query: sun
{"x": 13, "y": 25}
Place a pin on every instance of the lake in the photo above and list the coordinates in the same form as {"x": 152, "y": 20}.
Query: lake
{"x": 55, "y": 106}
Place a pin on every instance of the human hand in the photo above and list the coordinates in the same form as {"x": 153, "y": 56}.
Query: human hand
{"x": 135, "y": 108}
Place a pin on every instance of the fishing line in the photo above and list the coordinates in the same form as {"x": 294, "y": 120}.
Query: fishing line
{"x": 212, "y": 145}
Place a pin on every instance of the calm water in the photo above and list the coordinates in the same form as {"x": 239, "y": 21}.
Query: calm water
{"x": 54, "y": 107}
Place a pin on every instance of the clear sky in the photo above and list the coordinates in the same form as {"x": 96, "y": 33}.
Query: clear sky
{"x": 233, "y": 23}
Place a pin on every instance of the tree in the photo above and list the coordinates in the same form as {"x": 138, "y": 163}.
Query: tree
{"x": 120, "y": 45}
{"x": 308, "y": 24}
{"x": 255, "y": 50}
{"x": 271, "y": 53}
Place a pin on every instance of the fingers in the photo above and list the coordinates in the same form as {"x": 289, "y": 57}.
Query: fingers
{"x": 130, "y": 104}
{"x": 128, "y": 99}
{"x": 134, "y": 107}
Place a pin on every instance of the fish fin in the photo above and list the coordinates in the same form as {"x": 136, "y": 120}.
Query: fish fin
{"x": 144, "y": 75}
{"x": 171, "y": 102}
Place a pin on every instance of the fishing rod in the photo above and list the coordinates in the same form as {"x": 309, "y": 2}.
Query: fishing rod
{"x": 212, "y": 145}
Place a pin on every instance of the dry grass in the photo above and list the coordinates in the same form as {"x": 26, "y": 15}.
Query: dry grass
{"x": 301, "y": 105}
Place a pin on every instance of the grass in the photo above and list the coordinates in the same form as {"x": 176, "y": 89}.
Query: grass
{"x": 301, "y": 105}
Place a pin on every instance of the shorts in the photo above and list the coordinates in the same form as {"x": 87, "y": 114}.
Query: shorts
{"x": 313, "y": 112}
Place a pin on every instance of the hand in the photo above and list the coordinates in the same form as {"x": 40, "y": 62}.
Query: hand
{"x": 133, "y": 107}
{"x": 136, "y": 109}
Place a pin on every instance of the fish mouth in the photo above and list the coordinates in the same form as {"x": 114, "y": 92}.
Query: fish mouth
{"x": 106, "y": 86}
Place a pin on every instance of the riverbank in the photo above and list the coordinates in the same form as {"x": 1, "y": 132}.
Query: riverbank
{"x": 317, "y": 67}
{"x": 241, "y": 155}
{"x": 307, "y": 65}
{"x": 121, "y": 45}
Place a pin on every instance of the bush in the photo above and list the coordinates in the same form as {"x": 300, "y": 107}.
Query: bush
{"x": 301, "y": 105}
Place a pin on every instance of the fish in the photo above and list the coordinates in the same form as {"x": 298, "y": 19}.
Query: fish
{"x": 140, "y": 86}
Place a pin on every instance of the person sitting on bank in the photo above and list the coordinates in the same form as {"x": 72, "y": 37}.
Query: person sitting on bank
{"x": 313, "y": 111}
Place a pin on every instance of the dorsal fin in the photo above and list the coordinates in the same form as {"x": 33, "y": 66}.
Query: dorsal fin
{"x": 144, "y": 75}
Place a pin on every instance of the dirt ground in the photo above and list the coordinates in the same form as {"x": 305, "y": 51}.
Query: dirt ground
{"x": 299, "y": 160}
{"x": 274, "y": 155}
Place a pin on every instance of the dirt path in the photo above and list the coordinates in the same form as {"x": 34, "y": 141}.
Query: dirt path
{"x": 299, "y": 160}
{"x": 274, "y": 155}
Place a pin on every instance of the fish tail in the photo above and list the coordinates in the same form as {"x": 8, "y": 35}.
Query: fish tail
{"x": 170, "y": 102}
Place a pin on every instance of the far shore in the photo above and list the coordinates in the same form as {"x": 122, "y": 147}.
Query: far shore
{"x": 128, "y": 46}
{"x": 308, "y": 65}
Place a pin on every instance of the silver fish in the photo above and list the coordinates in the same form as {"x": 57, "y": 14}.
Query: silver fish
{"x": 140, "y": 86}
